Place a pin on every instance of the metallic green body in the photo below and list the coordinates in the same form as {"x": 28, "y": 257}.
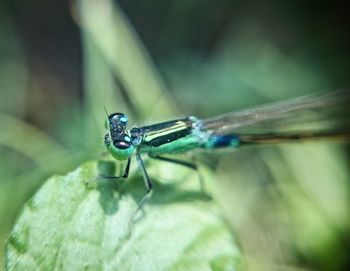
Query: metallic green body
{"x": 170, "y": 137}
{"x": 176, "y": 146}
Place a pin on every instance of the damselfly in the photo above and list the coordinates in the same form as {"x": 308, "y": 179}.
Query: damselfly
{"x": 308, "y": 117}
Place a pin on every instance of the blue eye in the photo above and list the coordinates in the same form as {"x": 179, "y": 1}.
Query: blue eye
{"x": 124, "y": 119}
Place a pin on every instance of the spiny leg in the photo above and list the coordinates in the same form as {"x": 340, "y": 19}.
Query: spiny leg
{"x": 124, "y": 176}
{"x": 182, "y": 163}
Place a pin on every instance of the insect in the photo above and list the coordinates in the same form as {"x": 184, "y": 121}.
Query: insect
{"x": 308, "y": 117}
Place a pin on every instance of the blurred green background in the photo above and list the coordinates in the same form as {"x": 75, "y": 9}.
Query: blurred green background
{"x": 61, "y": 62}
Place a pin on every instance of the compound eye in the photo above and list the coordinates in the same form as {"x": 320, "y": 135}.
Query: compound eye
{"x": 123, "y": 143}
{"x": 124, "y": 120}
{"x": 121, "y": 149}
{"x": 118, "y": 119}
{"x": 115, "y": 117}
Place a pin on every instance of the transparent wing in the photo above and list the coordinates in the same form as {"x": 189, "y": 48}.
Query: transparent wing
{"x": 326, "y": 114}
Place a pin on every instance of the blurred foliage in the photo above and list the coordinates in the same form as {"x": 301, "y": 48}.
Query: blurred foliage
{"x": 93, "y": 230}
{"x": 61, "y": 64}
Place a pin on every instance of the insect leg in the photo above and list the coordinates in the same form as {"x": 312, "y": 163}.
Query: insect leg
{"x": 124, "y": 176}
{"x": 148, "y": 184}
{"x": 175, "y": 161}
{"x": 182, "y": 163}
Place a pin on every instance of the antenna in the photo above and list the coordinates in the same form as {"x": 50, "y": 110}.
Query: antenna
{"x": 106, "y": 112}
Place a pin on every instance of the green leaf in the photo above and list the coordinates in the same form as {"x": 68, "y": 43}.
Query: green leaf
{"x": 80, "y": 222}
